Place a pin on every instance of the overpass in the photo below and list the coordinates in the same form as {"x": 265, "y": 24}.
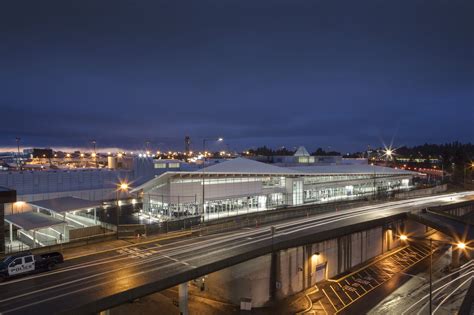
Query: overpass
{"x": 455, "y": 229}
{"x": 102, "y": 281}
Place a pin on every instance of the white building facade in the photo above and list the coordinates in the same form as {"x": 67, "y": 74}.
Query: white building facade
{"x": 241, "y": 185}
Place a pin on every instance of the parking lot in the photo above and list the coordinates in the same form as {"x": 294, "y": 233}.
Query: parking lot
{"x": 334, "y": 296}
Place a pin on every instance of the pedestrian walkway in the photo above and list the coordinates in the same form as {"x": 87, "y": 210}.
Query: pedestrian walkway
{"x": 333, "y": 296}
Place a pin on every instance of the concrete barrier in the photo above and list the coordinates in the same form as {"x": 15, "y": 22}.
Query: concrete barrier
{"x": 421, "y": 192}
{"x": 72, "y": 244}
{"x": 85, "y": 232}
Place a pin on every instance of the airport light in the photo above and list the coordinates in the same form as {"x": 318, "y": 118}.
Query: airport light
{"x": 461, "y": 245}
{"x": 122, "y": 187}
{"x": 403, "y": 237}
{"x": 204, "y": 140}
{"x": 119, "y": 155}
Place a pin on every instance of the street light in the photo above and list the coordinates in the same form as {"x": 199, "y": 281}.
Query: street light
{"x": 18, "y": 160}
{"x": 220, "y": 139}
{"x": 469, "y": 166}
{"x": 94, "y": 154}
{"x": 459, "y": 245}
{"x": 122, "y": 187}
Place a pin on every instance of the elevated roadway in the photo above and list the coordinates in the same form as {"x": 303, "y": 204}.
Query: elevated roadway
{"x": 101, "y": 281}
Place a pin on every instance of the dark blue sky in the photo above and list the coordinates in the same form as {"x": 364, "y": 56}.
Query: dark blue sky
{"x": 343, "y": 74}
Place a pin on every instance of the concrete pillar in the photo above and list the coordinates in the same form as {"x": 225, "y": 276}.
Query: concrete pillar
{"x": 273, "y": 275}
{"x": 455, "y": 258}
{"x": 183, "y": 298}
{"x": 34, "y": 238}
{"x": 95, "y": 215}
{"x": 105, "y": 312}
{"x": 11, "y": 232}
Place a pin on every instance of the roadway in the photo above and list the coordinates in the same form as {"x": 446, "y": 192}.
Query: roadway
{"x": 101, "y": 281}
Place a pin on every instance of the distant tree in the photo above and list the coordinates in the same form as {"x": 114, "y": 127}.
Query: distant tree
{"x": 321, "y": 152}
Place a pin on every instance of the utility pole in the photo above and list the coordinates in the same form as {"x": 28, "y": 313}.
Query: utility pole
{"x": 187, "y": 147}
{"x": 203, "y": 166}
{"x": 18, "y": 155}
{"x": 147, "y": 147}
{"x": 95, "y": 153}
{"x": 431, "y": 274}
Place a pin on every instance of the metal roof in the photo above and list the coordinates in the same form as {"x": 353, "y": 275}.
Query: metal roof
{"x": 245, "y": 166}
{"x": 349, "y": 169}
{"x": 32, "y": 220}
{"x": 65, "y": 204}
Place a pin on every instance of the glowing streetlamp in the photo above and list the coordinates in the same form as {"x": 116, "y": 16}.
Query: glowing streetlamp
{"x": 220, "y": 139}
{"x": 461, "y": 245}
{"x": 121, "y": 187}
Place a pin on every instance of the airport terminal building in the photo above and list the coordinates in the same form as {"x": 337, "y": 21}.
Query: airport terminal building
{"x": 242, "y": 185}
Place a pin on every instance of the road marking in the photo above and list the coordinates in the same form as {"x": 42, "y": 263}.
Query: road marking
{"x": 330, "y": 301}
{"x": 337, "y": 295}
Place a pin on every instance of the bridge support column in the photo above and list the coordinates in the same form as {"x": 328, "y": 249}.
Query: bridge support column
{"x": 11, "y": 233}
{"x": 455, "y": 258}
{"x": 183, "y": 298}
{"x": 273, "y": 276}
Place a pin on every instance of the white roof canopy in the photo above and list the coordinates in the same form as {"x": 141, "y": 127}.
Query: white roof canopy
{"x": 32, "y": 220}
{"x": 247, "y": 167}
{"x": 301, "y": 152}
{"x": 65, "y": 204}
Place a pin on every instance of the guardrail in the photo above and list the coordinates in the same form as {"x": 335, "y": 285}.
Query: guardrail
{"x": 54, "y": 246}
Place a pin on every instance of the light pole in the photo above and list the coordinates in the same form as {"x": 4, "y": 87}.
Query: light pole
{"x": 375, "y": 180}
{"x": 459, "y": 245}
{"x": 94, "y": 154}
{"x": 203, "y": 166}
{"x": 469, "y": 166}
{"x": 122, "y": 187}
{"x": 18, "y": 156}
